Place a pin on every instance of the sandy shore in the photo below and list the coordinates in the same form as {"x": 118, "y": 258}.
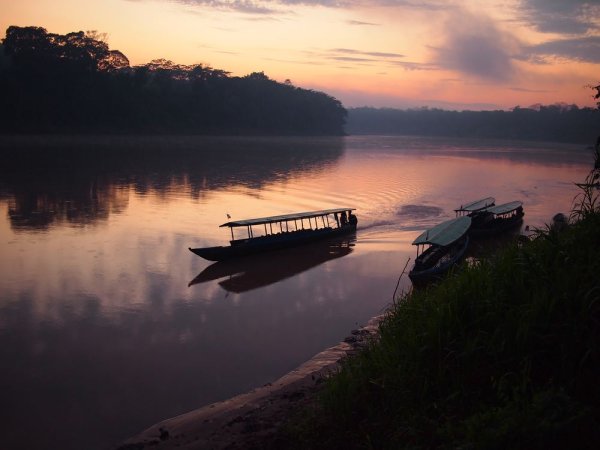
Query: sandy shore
{"x": 251, "y": 420}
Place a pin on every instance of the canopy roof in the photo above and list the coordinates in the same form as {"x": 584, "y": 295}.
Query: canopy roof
{"x": 284, "y": 217}
{"x": 504, "y": 208}
{"x": 445, "y": 233}
{"x": 477, "y": 204}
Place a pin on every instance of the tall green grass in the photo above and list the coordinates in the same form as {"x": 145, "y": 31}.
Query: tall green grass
{"x": 503, "y": 354}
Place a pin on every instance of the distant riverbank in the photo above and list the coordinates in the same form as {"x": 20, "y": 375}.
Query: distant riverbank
{"x": 552, "y": 123}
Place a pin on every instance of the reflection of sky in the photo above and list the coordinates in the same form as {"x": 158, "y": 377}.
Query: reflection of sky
{"x": 106, "y": 337}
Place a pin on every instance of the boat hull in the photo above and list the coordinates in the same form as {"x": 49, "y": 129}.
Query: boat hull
{"x": 496, "y": 226}
{"x": 451, "y": 255}
{"x": 271, "y": 242}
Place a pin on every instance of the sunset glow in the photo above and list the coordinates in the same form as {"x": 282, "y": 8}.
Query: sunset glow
{"x": 451, "y": 54}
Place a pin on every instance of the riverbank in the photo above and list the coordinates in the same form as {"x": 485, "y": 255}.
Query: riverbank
{"x": 253, "y": 420}
{"x": 505, "y": 354}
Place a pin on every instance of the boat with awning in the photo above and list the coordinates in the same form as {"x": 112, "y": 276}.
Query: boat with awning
{"x": 439, "y": 248}
{"x": 281, "y": 231}
{"x": 474, "y": 206}
{"x": 497, "y": 219}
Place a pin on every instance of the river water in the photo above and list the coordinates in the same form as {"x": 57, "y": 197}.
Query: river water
{"x": 109, "y": 324}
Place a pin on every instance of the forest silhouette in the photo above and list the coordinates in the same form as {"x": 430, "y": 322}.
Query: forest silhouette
{"x": 74, "y": 83}
{"x": 554, "y": 123}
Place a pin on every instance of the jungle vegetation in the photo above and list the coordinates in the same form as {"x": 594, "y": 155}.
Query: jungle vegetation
{"x": 74, "y": 83}
{"x": 553, "y": 123}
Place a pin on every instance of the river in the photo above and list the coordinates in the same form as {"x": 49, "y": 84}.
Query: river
{"x": 107, "y": 323}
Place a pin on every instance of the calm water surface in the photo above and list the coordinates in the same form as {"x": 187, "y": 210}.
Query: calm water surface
{"x": 109, "y": 324}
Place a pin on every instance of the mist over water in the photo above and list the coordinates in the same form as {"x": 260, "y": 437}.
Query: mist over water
{"x": 109, "y": 324}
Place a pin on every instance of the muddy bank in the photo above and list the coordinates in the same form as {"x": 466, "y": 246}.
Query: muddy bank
{"x": 251, "y": 420}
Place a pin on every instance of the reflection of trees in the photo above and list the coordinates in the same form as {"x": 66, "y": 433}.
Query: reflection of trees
{"x": 40, "y": 206}
{"x": 82, "y": 180}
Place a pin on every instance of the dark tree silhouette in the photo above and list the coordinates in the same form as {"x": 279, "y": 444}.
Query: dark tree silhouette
{"x": 36, "y": 48}
{"x": 75, "y": 83}
{"x": 562, "y": 123}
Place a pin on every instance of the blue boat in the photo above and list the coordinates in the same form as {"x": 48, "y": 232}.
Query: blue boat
{"x": 283, "y": 231}
{"x": 443, "y": 247}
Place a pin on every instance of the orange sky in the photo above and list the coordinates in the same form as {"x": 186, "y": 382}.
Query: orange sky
{"x": 461, "y": 54}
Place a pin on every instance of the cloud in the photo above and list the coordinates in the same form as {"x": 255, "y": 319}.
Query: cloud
{"x": 373, "y": 54}
{"x": 265, "y": 7}
{"x": 408, "y": 65}
{"x": 359, "y": 23}
{"x": 572, "y": 17}
{"x": 535, "y": 91}
{"x": 580, "y": 49}
{"x": 356, "y": 99}
{"x": 417, "y": 4}
{"x": 366, "y": 57}
{"x": 243, "y": 6}
{"x": 269, "y": 7}
{"x": 476, "y": 48}
{"x": 351, "y": 59}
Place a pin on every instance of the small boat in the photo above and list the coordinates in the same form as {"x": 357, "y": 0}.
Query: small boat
{"x": 447, "y": 243}
{"x": 477, "y": 205}
{"x": 497, "y": 219}
{"x": 288, "y": 230}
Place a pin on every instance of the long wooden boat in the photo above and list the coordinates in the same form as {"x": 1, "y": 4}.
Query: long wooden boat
{"x": 497, "y": 219}
{"x": 283, "y": 231}
{"x": 444, "y": 245}
{"x": 474, "y": 206}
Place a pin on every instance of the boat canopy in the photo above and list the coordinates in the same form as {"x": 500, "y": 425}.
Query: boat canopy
{"x": 504, "y": 208}
{"x": 285, "y": 217}
{"x": 445, "y": 233}
{"x": 477, "y": 205}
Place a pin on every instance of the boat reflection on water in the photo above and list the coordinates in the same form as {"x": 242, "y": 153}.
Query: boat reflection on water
{"x": 255, "y": 271}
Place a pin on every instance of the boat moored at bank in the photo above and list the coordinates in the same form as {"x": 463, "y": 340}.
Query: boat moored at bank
{"x": 474, "y": 206}
{"x": 441, "y": 248}
{"x": 497, "y": 219}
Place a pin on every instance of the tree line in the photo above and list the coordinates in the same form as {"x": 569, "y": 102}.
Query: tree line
{"x": 560, "y": 123}
{"x": 74, "y": 83}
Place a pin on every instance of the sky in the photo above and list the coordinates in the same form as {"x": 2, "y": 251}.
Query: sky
{"x": 450, "y": 54}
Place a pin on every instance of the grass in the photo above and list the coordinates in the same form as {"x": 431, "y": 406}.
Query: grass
{"x": 504, "y": 354}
